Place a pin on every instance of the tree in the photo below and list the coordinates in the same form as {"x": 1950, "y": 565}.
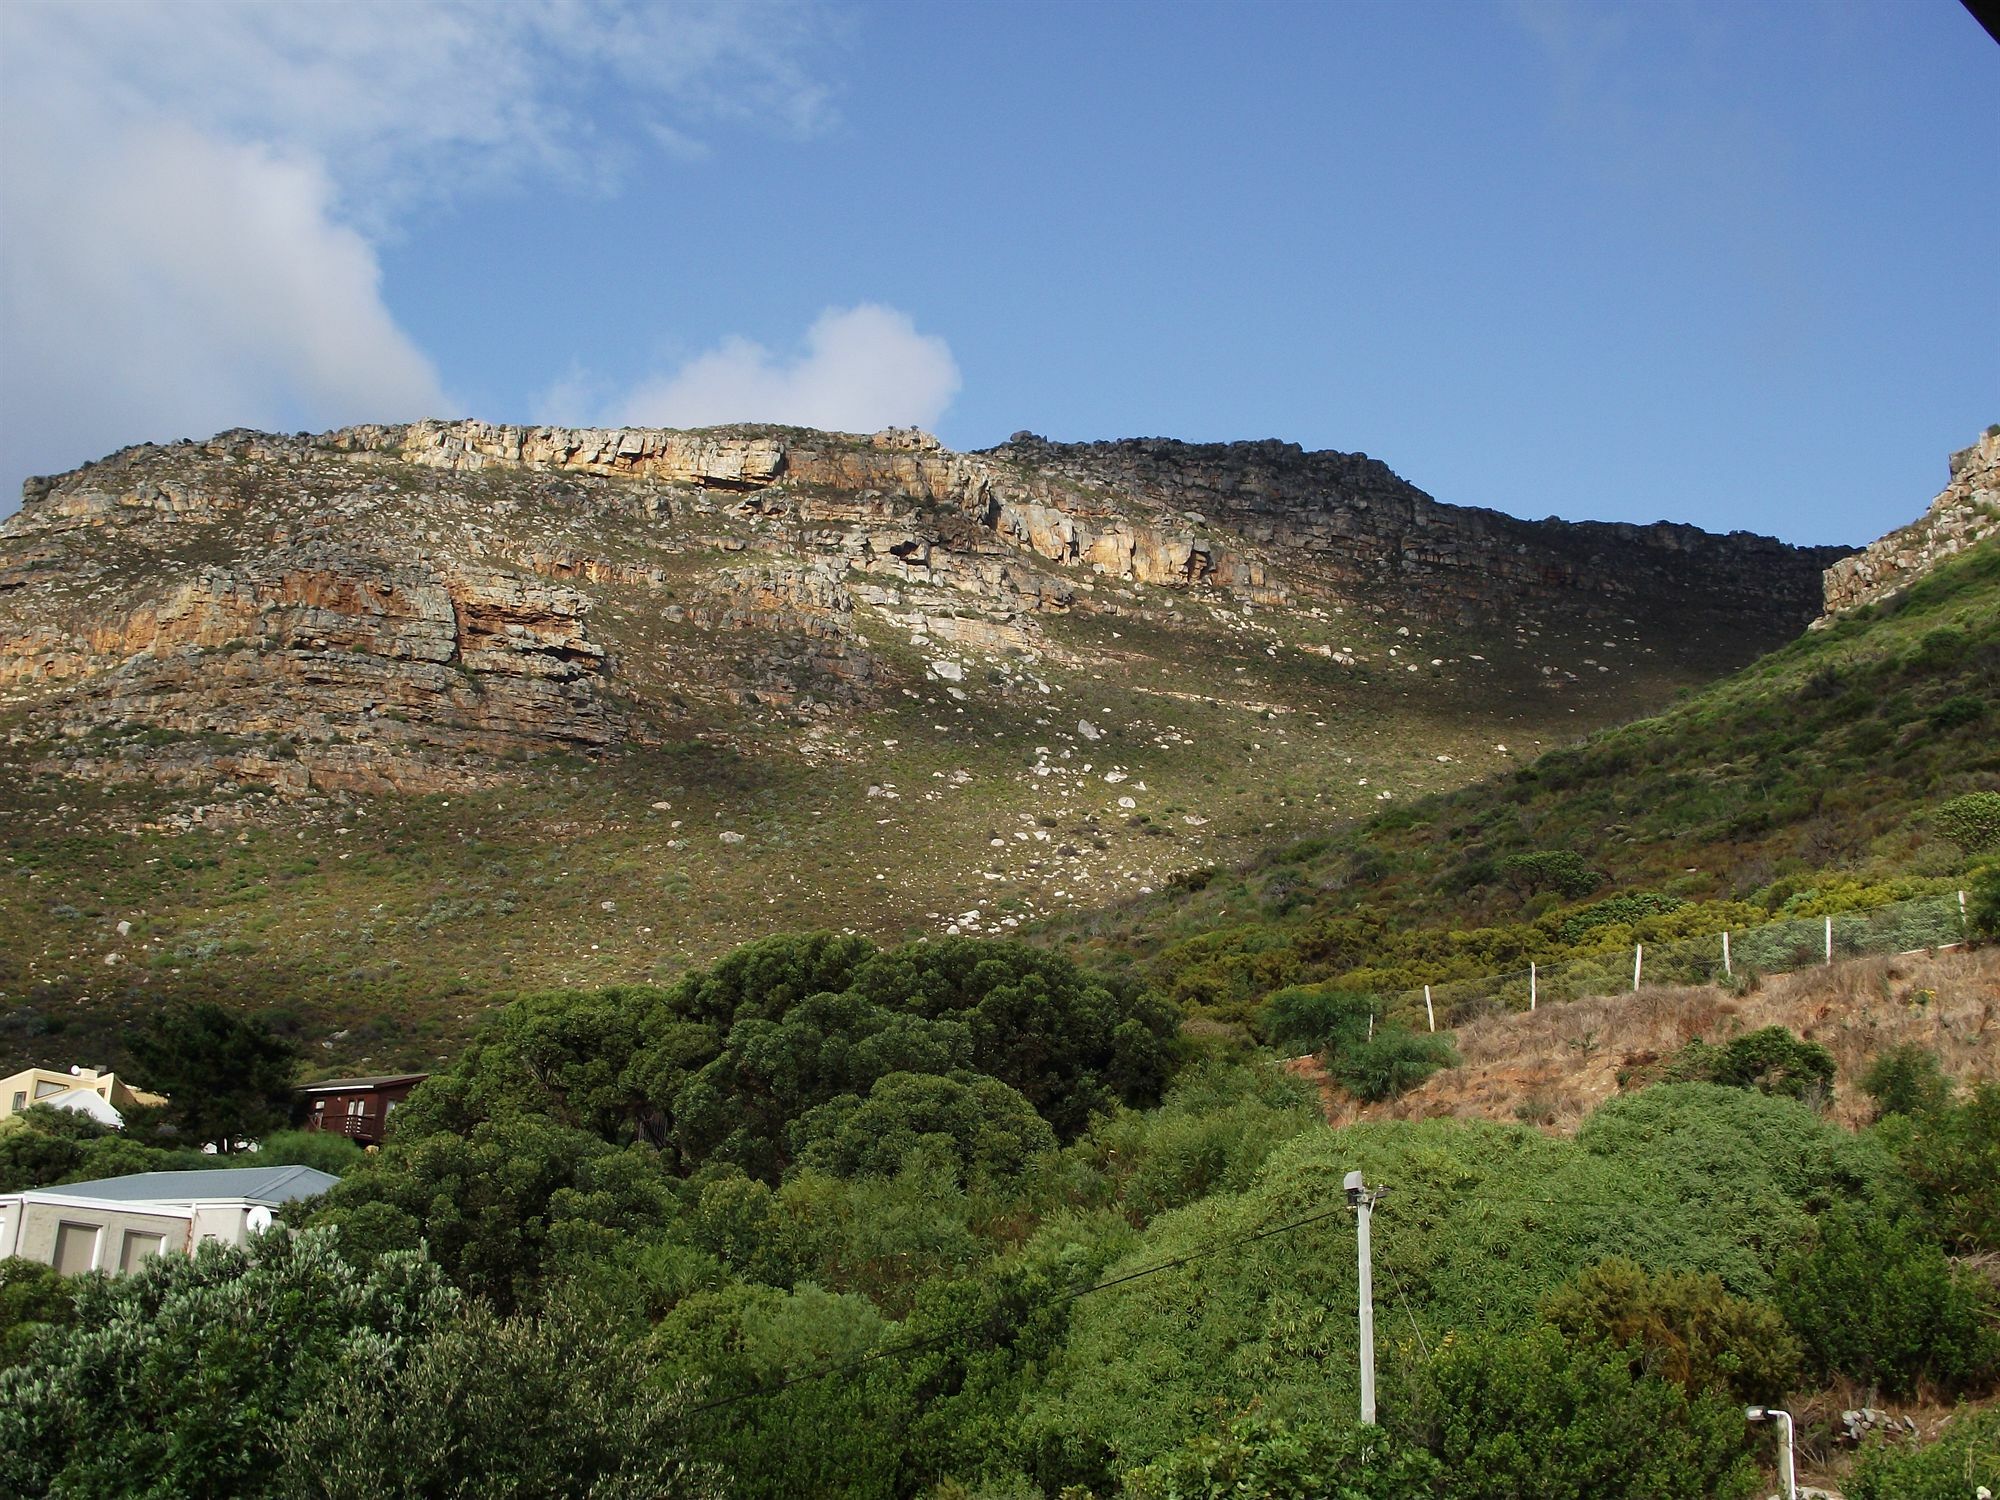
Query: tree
{"x": 226, "y": 1077}
{"x": 1560, "y": 870}
{"x": 984, "y": 1128}
{"x": 498, "y": 1207}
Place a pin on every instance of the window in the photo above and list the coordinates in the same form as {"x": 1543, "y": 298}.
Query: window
{"x": 20, "y": 1100}
{"x": 319, "y": 1104}
{"x": 43, "y": 1088}
{"x": 76, "y": 1247}
{"x": 139, "y": 1247}
{"x": 357, "y": 1107}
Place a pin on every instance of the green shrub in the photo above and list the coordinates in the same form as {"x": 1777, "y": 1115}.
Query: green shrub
{"x": 1633, "y": 907}
{"x": 1259, "y": 1455}
{"x": 1965, "y": 1457}
{"x": 1392, "y": 1062}
{"x": 1906, "y": 1080}
{"x": 1877, "y": 1302}
{"x": 307, "y": 1148}
{"x": 179, "y": 1379}
{"x": 32, "y": 1297}
{"x": 1771, "y": 1060}
{"x": 984, "y": 1128}
{"x": 1939, "y": 649}
{"x": 1956, "y": 712}
{"x": 1305, "y": 1019}
{"x": 1952, "y": 1154}
{"x": 1534, "y": 1415}
{"x": 1972, "y": 822}
{"x": 549, "y": 1408}
{"x": 1684, "y": 1328}
{"x": 1982, "y": 912}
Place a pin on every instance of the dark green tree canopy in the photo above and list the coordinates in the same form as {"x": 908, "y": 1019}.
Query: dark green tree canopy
{"x": 226, "y": 1077}
{"x": 719, "y": 1067}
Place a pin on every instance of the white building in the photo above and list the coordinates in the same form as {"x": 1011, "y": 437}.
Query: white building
{"x": 115, "y": 1223}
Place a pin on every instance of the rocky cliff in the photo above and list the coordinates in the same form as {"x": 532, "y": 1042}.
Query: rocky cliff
{"x": 1966, "y": 511}
{"x": 384, "y": 607}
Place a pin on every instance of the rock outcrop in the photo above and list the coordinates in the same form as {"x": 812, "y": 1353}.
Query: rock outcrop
{"x": 413, "y": 607}
{"x": 1966, "y": 511}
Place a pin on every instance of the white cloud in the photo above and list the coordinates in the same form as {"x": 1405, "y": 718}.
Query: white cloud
{"x": 861, "y": 369}
{"x": 193, "y": 195}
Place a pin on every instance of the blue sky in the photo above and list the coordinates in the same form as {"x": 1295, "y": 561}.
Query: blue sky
{"x": 1719, "y": 263}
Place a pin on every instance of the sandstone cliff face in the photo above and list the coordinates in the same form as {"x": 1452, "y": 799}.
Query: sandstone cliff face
{"x": 1965, "y": 512}
{"x": 413, "y": 607}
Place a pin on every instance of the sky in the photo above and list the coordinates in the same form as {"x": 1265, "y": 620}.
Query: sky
{"x": 1691, "y": 260}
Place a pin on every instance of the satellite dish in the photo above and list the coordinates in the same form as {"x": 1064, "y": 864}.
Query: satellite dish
{"x": 258, "y": 1219}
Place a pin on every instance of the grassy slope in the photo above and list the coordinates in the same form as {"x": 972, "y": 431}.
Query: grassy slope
{"x": 380, "y": 926}
{"x": 1825, "y": 756}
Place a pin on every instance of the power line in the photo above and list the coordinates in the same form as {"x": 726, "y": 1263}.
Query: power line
{"x": 915, "y": 1346}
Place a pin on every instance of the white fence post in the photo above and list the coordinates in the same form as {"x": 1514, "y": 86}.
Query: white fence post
{"x": 1829, "y": 939}
{"x": 1429, "y": 1014}
{"x": 1638, "y": 958}
{"x": 1964, "y": 925}
{"x": 1531, "y": 984}
{"x": 1727, "y": 972}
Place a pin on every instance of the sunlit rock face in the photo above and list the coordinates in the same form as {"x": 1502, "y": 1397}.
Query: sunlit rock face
{"x": 1966, "y": 511}
{"x": 421, "y": 607}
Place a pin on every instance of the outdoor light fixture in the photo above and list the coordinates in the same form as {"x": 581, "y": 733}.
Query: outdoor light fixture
{"x": 1787, "y": 1469}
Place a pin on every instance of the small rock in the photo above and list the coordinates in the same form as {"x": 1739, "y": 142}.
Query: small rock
{"x": 1089, "y": 730}
{"x": 730, "y": 837}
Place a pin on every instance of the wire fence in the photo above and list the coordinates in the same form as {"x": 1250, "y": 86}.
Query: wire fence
{"x": 1770, "y": 948}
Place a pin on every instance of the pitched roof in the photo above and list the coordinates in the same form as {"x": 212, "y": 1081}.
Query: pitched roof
{"x": 85, "y": 1102}
{"x": 373, "y": 1081}
{"x": 228, "y": 1184}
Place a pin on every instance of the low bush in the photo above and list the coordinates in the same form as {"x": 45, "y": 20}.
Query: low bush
{"x": 1962, "y": 1463}
{"x": 1684, "y": 1328}
{"x": 1878, "y": 1302}
{"x": 1392, "y": 1062}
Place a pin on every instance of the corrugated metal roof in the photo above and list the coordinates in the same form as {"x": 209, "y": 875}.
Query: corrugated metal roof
{"x": 257, "y": 1184}
{"x": 360, "y": 1083}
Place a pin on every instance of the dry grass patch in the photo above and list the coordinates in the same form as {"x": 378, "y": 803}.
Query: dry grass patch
{"x": 1553, "y": 1066}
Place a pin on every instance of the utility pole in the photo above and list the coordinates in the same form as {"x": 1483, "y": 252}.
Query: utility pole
{"x": 1362, "y": 1199}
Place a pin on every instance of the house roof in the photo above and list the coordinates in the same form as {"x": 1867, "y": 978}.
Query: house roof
{"x": 271, "y": 1185}
{"x": 374, "y": 1081}
{"x": 85, "y": 1102}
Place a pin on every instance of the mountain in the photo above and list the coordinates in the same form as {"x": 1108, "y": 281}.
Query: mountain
{"x": 376, "y": 724}
{"x": 1809, "y": 779}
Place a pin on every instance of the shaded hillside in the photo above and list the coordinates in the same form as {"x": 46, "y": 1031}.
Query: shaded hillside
{"x": 1814, "y": 770}
{"x": 371, "y": 726}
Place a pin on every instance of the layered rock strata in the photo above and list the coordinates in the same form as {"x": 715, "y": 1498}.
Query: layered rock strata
{"x": 413, "y": 606}
{"x": 1966, "y": 512}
